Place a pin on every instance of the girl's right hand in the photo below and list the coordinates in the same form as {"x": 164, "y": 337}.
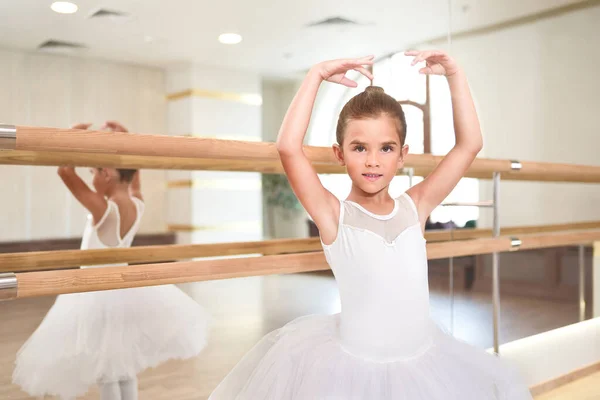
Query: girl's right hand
{"x": 114, "y": 126}
{"x": 81, "y": 126}
{"x": 335, "y": 70}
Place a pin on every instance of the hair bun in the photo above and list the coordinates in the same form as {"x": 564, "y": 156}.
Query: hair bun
{"x": 374, "y": 89}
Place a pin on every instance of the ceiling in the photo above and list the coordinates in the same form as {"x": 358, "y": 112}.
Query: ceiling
{"x": 277, "y": 40}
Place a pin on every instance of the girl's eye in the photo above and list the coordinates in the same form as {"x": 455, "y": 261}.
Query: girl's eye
{"x": 359, "y": 148}
{"x": 387, "y": 149}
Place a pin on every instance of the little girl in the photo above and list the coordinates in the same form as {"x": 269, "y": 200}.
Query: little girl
{"x": 108, "y": 337}
{"x": 383, "y": 345}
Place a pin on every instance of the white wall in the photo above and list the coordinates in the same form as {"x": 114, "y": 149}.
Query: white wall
{"x": 277, "y": 96}
{"x": 57, "y": 91}
{"x": 218, "y": 206}
{"x": 537, "y": 90}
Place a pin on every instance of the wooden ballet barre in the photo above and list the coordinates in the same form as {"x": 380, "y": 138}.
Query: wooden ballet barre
{"x": 31, "y": 284}
{"x": 119, "y": 143}
{"x": 39, "y": 158}
{"x": 443, "y": 235}
{"x": 123, "y": 143}
{"x": 17, "y": 157}
{"x": 64, "y": 259}
{"x": 481, "y": 204}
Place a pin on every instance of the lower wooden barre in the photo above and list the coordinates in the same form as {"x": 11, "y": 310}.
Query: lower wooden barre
{"x": 463, "y": 234}
{"x": 32, "y": 284}
{"x": 51, "y": 260}
{"x": 558, "y": 239}
{"x": 62, "y": 259}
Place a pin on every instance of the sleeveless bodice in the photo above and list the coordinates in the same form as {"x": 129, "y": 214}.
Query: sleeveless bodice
{"x": 107, "y": 232}
{"x": 380, "y": 264}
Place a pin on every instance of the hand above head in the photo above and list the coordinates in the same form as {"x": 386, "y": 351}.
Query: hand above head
{"x": 81, "y": 126}
{"x": 437, "y": 62}
{"x": 114, "y": 126}
{"x": 335, "y": 70}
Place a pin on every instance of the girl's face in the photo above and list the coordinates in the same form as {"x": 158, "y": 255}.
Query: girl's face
{"x": 372, "y": 153}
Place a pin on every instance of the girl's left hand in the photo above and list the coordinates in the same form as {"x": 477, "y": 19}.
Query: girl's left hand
{"x": 114, "y": 126}
{"x": 81, "y": 126}
{"x": 335, "y": 70}
{"x": 437, "y": 62}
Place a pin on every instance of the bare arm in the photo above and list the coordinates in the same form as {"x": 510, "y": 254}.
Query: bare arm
{"x": 135, "y": 188}
{"x": 92, "y": 201}
{"x": 322, "y": 206}
{"x": 428, "y": 194}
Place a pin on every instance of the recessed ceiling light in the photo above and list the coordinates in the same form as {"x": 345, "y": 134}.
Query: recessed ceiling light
{"x": 230, "y": 38}
{"x": 64, "y": 7}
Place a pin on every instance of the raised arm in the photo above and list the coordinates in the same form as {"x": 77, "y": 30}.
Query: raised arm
{"x": 428, "y": 194}
{"x": 135, "y": 188}
{"x": 92, "y": 201}
{"x": 321, "y": 205}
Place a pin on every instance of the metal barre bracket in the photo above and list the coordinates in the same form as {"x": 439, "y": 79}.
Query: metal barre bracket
{"x": 8, "y": 286}
{"x": 515, "y": 243}
{"x": 515, "y": 165}
{"x": 8, "y": 137}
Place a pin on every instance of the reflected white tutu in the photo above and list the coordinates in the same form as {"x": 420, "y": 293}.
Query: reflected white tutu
{"x": 304, "y": 361}
{"x": 108, "y": 335}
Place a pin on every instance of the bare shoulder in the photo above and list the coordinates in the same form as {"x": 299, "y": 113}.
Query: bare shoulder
{"x": 328, "y": 224}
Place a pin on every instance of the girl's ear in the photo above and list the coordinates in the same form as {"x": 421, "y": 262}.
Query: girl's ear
{"x": 106, "y": 175}
{"x": 339, "y": 154}
{"x": 403, "y": 154}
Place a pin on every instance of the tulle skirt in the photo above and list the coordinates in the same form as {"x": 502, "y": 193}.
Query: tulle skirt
{"x": 108, "y": 336}
{"x": 305, "y": 361}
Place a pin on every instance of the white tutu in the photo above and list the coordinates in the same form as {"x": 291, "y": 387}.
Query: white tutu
{"x": 304, "y": 361}
{"x": 108, "y": 335}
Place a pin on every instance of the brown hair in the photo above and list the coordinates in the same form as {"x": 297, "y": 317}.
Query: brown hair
{"x": 371, "y": 103}
{"x": 126, "y": 175}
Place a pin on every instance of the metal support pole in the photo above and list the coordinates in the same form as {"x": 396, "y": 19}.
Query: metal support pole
{"x": 411, "y": 175}
{"x": 451, "y": 265}
{"x": 495, "y": 265}
{"x": 581, "y": 283}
